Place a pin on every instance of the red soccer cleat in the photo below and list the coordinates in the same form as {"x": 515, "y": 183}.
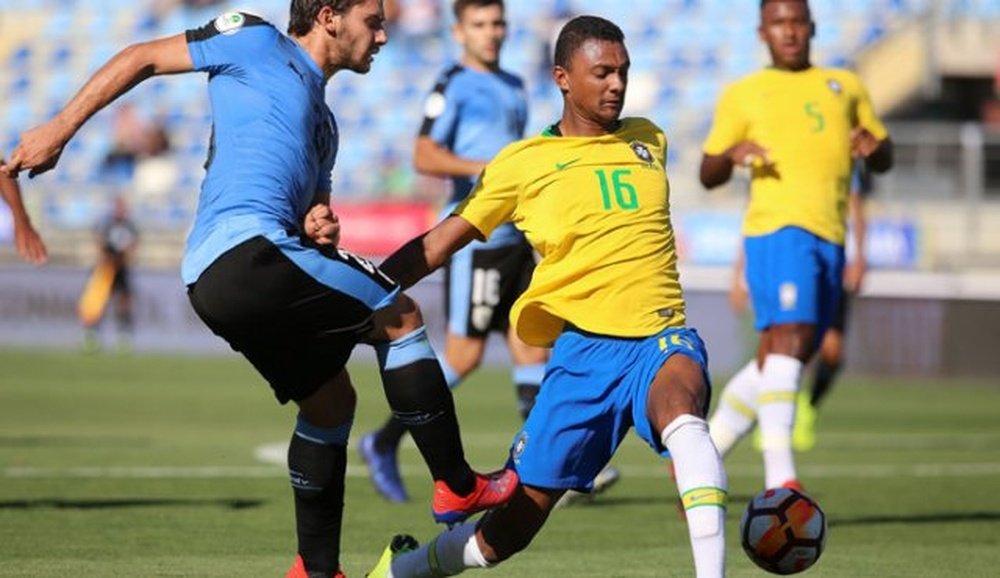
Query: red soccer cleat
{"x": 794, "y": 485}
{"x": 490, "y": 491}
{"x": 298, "y": 570}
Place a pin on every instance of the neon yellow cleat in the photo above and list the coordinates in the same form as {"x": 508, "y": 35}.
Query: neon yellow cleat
{"x": 400, "y": 544}
{"x": 804, "y": 432}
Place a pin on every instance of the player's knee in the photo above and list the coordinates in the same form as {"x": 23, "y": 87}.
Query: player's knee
{"x": 409, "y": 312}
{"x": 498, "y": 550}
{"x": 400, "y": 318}
{"x": 334, "y": 403}
{"x": 796, "y": 340}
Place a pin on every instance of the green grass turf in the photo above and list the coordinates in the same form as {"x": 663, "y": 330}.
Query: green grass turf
{"x": 145, "y": 466}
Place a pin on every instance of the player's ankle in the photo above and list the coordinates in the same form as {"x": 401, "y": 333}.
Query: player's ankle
{"x": 461, "y": 483}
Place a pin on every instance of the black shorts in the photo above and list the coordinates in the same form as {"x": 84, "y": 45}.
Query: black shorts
{"x": 122, "y": 281}
{"x": 483, "y": 284}
{"x": 275, "y": 303}
{"x": 839, "y": 320}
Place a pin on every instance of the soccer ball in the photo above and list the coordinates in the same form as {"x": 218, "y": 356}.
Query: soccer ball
{"x": 783, "y": 531}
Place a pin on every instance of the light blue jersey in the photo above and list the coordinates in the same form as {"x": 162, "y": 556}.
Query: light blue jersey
{"x": 274, "y": 139}
{"x": 474, "y": 114}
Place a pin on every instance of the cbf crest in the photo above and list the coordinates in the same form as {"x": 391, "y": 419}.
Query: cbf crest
{"x": 834, "y": 86}
{"x": 519, "y": 445}
{"x": 642, "y": 151}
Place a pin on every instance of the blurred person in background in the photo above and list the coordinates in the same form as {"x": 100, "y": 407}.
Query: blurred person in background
{"x": 117, "y": 240}
{"x": 798, "y": 129}
{"x": 262, "y": 266}
{"x": 28, "y": 242}
{"x": 830, "y": 358}
{"x": 475, "y": 109}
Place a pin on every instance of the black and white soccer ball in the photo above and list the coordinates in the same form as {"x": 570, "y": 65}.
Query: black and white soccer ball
{"x": 783, "y": 531}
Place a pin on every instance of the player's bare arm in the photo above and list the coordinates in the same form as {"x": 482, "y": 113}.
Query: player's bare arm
{"x": 878, "y": 154}
{"x": 854, "y": 271}
{"x": 40, "y": 147}
{"x": 424, "y": 254}
{"x": 27, "y": 240}
{"x": 431, "y": 158}
{"x": 718, "y": 169}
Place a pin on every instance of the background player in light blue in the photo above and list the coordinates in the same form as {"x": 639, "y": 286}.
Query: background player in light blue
{"x": 475, "y": 109}
{"x": 262, "y": 267}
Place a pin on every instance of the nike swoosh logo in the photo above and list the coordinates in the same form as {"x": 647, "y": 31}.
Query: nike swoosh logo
{"x": 561, "y": 166}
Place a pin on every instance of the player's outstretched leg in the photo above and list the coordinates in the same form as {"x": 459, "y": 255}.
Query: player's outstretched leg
{"x": 380, "y": 450}
{"x": 421, "y": 400}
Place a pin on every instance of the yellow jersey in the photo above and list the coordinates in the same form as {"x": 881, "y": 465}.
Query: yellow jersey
{"x": 804, "y": 120}
{"x": 597, "y": 211}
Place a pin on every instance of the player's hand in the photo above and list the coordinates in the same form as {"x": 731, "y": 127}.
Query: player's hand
{"x": 863, "y": 143}
{"x": 30, "y": 245}
{"x": 322, "y": 225}
{"x": 38, "y": 151}
{"x": 748, "y": 154}
{"x": 854, "y": 275}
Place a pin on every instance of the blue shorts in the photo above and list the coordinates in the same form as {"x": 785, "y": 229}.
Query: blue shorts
{"x": 794, "y": 277}
{"x": 595, "y": 389}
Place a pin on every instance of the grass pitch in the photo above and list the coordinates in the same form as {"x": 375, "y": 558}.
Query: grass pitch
{"x": 163, "y": 466}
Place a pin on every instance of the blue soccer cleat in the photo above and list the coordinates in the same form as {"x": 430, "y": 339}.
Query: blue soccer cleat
{"x": 383, "y": 470}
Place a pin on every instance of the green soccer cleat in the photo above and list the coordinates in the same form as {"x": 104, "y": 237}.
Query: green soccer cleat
{"x": 804, "y": 432}
{"x": 400, "y": 544}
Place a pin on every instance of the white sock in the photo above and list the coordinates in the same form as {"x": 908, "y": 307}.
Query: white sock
{"x": 702, "y": 484}
{"x": 776, "y": 412}
{"x": 454, "y": 551}
{"x": 736, "y": 413}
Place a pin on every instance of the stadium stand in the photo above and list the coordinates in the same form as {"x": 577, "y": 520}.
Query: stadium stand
{"x": 683, "y": 52}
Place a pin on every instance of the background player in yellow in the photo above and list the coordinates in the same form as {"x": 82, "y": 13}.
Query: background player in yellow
{"x": 591, "y": 196}
{"x": 797, "y": 128}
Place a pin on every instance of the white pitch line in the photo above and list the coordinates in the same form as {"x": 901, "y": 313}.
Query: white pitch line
{"x": 925, "y": 470}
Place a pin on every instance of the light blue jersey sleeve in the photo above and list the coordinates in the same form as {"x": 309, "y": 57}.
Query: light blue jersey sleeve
{"x": 222, "y": 45}
{"x": 441, "y": 111}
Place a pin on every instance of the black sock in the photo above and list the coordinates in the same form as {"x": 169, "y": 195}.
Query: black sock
{"x": 823, "y": 381}
{"x": 422, "y": 403}
{"x": 388, "y": 437}
{"x": 317, "y": 473}
{"x": 526, "y": 395}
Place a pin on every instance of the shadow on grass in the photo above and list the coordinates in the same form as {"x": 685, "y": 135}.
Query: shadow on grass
{"x": 917, "y": 519}
{"x": 72, "y": 442}
{"x": 58, "y": 504}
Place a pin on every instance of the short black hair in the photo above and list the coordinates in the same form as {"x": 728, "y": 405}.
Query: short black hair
{"x": 581, "y": 29}
{"x": 765, "y": 2}
{"x": 460, "y": 5}
{"x": 302, "y": 13}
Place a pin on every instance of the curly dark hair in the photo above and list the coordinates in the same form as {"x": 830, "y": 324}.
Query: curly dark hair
{"x": 302, "y": 13}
